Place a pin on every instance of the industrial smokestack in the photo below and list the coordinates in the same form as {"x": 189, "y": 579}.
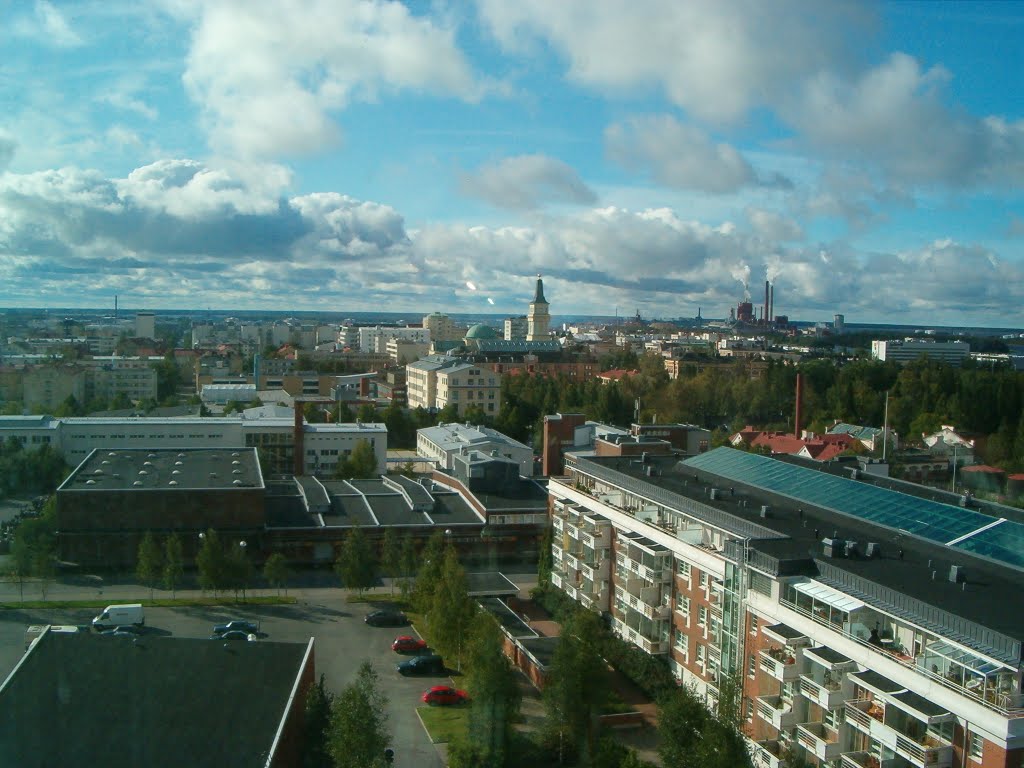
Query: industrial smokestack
{"x": 115, "y": 306}
{"x": 799, "y": 403}
{"x": 771, "y": 304}
{"x": 767, "y": 311}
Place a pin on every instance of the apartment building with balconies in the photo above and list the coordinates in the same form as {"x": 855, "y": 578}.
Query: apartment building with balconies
{"x": 866, "y": 627}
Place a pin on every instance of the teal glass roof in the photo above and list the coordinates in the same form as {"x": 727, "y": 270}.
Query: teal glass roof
{"x": 942, "y": 523}
{"x": 1004, "y": 542}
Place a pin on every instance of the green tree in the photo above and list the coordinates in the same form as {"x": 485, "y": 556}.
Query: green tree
{"x": 44, "y": 568}
{"x": 691, "y": 736}
{"x": 391, "y": 557}
{"x": 577, "y": 688}
{"x": 493, "y": 684}
{"x": 367, "y": 413}
{"x": 358, "y": 732}
{"x": 360, "y": 465}
{"x": 544, "y": 559}
{"x": 429, "y": 574}
{"x": 451, "y": 609}
{"x": 149, "y": 562}
{"x": 174, "y": 563}
{"x": 343, "y": 414}
{"x": 409, "y": 562}
{"x": 238, "y": 568}
{"x": 319, "y": 703}
{"x": 211, "y": 563}
{"x": 276, "y": 572}
{"x": 20, "y": 562}
{"x": 356, "y": 565}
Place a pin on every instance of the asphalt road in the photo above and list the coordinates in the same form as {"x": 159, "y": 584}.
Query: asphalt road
{"x": 342, "y": 643}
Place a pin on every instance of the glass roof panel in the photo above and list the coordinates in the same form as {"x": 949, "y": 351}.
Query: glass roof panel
{"x": 922, "y": 517}
{"x": 1003, "y": 542}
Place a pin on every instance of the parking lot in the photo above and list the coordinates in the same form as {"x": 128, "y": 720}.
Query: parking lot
{"x": 343, "y": 642}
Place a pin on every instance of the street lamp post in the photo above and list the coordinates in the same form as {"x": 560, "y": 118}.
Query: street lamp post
{"x": 243, "y": 570}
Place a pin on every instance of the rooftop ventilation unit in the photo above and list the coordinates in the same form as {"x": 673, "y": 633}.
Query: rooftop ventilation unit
{"x": 714, "y": 494}
{"x": 873, "y": 550}
{"x": 850, "y": 549}
{"x": 766, "y": 511}
{"x": 833, "y": 547}
{"x": 957, "y": 574}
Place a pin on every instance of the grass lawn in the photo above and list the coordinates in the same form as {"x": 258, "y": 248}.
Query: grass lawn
{"x": 444, "y": 723}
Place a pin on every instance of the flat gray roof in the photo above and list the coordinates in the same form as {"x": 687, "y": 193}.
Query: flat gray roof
{"x": 158, "y": 701}
{"x": 167, "y": 469}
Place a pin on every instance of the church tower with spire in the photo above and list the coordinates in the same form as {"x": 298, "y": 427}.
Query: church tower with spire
{"x": 538, "y": 321}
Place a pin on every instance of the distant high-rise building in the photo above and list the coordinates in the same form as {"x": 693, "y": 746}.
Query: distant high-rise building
{"x": 516, "y": 328}
{"x": 838, "y": 324}
{"x": 538, "y": 320}
{"x": 441, "y": 327}
{"x": 145, "y": 325}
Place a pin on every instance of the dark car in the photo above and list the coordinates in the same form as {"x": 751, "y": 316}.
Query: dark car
{"x": 429, "y": 664}
{"x": 123, "y": 631}
{"x": 237, "y": 625}
{"x": 408, "y": 644}
{"x": 441, "y": 695}
{"x": 234, "y": 634}
{"x": 386, "y": 618}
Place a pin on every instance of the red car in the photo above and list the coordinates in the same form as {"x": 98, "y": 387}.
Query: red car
{"x": 444, "y": 695}
{"x": 408, "y": 644}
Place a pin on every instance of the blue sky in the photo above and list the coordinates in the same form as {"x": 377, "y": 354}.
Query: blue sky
{"x": 647, "y": 155}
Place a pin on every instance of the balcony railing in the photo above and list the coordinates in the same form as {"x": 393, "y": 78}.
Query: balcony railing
{"x": 818, "y": 739}
{"x": 768, "y": 753}
{"x": 827, "y": 695}
{"x": 780, "y": 665}
{"x": 861, "y": 713}
{"x": 932, "y": 753}
{"x": 864, "y": 760}
{"x": 1010, "y": 706}
{"x": 775, "y": 710}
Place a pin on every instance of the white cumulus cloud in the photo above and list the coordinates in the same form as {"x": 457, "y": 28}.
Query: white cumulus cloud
{"x": 525, "y": 182}
{"x": 270, "y": 79}
{"x": 677, "y": 154}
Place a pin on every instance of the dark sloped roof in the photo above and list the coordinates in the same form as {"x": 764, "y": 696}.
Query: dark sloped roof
{"x": 162, "y": 701}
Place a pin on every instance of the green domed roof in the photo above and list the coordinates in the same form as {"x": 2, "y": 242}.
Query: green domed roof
{"x": 481, "y": 331}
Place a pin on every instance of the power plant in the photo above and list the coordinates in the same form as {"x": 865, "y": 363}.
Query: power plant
{"x": 746, "y": 313}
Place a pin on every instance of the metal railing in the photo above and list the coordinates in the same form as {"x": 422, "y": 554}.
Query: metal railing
{"x": 1011, "y": 711}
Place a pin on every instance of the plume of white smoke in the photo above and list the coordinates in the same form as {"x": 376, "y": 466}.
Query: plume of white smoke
{"x": 741, "y": 272}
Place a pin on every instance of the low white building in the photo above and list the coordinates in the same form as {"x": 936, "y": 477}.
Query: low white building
{"x": 446, "y": 441}
{"x": 375, "y": 338}
{"x": 323, "y": 445}
{"x": 951, "y": 352}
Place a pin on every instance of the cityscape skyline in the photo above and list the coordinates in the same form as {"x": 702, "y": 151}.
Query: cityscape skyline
{"x": 651, "y": 157}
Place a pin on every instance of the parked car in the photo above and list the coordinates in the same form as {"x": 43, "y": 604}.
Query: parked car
{"x": 235, "y": 634}
{"x": 124, "y": 631}
{"x": 408, "y": 644}
{"x": 444, "y": 695}
{"x": 428, "y": 664}
{"x": 386, "y": 618}
{"x": 239, "y": 625}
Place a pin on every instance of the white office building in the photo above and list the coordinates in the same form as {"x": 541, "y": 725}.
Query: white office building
{"x": 951, "y": 352}
{"x": 446, "y": 441}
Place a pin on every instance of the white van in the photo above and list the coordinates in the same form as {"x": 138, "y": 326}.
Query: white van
{"x": 119, "y": 616}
